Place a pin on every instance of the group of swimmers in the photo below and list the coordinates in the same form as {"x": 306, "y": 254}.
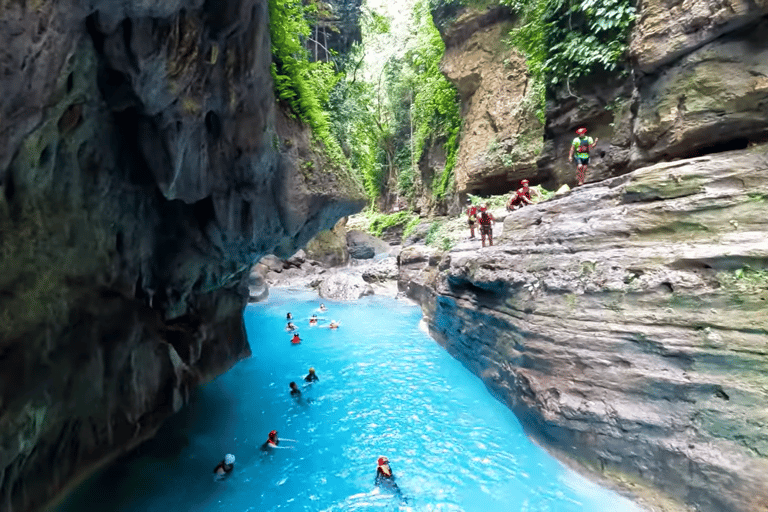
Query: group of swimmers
{"x": 313, "y": 321}
{"x": 384, "y": 475}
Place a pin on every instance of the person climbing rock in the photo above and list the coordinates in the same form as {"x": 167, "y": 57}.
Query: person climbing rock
{"x": 296, "y": 340}
{"x": 582, "y": 145}
{"x": 311, "y": 376}
{"x": 226, "y": 465}
{"x": 486, "y": 221}
{"x": 471, "y": 217}
{"x": 522, "y": 196}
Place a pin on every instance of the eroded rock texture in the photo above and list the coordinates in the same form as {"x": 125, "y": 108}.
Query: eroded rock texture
{"x": 626, "y": 325}
{"x": 143, "y": 172}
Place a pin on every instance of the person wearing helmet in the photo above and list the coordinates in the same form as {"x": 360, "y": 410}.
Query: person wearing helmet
{"x": 311, "y": 376}
{"x": 582, "y": 145}
{"x": 296, "y": 340}
{"x": 521, "y": 196}
{"x": 486, "y": 221}
{"x": 471, "y": 217}
{"x": 273, "y": 442}
{"x": 313, "y": 320}
{"x": 225, "y": 466}
{"x": 386, "y": 478}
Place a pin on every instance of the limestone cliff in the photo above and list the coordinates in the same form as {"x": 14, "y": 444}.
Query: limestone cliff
{"x": 696, "y": 84}
{"x": 143, "y": 170}
{"x": 626, "y": 325}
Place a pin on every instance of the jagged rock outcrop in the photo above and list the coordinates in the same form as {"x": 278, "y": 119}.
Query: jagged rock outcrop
{"x": 330, "y": 247}
{"x": 143, "y": 170}
{"x": 501, "y": 136}
{"x": 631, "y": 335}
{"x": 344, "y": 286}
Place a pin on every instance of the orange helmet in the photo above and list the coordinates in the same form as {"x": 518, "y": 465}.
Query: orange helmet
{"x": 524, "y": 182}
{"x": 273, "y": 434}
{"x": 382, "y": 461}
{"x": 581, "y": 131}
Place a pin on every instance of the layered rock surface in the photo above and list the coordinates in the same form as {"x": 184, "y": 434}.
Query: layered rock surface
{"x": 143, "y": 170}
{"x": 626, "y": 325}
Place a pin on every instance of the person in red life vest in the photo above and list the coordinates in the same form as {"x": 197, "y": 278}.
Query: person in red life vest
{"x": 313, "y": 320}
{"x": 582, "y": 145}
{"x": 471, "y": 217}
{"x": 486, "y": 221}
{"x": 521, "y": 196}
{"x": 385, "y": 477}
{"x": 273, "y": 442}
{"x": 296, "y": 340}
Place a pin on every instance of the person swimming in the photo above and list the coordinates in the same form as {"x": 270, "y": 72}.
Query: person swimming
{"x": 333, "y": 325}
{"x": 311, "y": 376}
{"x": 295, "y": 391}
{"x": 313, "y": 320}
{"x": 273, "y": 442}
{"x": 296, "y": 339}
{"x": 289, "y": 316}
{"x": 323, "y": 308}
{"x": 386, "y": 478}
{"x": 290, "y": 327}
{"x": 225, "y": 466}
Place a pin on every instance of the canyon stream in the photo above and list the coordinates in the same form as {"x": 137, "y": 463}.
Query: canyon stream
{"x": 385, "y": 388}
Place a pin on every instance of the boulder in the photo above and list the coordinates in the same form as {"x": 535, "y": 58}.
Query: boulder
{"x": 362, "y": 245}
{"x": 383, "y": 270}
{"x": 330, "y": 247}
{"x": 342, "y": 286}
{"x": 258, "y": 289}
{"x": 273, "y": 263}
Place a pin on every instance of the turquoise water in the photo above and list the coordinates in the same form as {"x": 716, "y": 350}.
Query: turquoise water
{"x": 385, "y": 388}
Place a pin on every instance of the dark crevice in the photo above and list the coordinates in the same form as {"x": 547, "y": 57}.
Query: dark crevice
{"x": 45, "y": 156}
{"x": 204, "y": 212}
{"x": 213, "y": 124}
{"x": 70, "y": 83}
{"x": 9, "y": 187}
{"x": 667, "y": 286}
{"x": 719, "y": 147}
{"x": 127, "y": 36}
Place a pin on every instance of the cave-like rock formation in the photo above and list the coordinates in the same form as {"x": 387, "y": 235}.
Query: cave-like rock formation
{"x": 144, "y": 168}
{"x": 626, "y": 325}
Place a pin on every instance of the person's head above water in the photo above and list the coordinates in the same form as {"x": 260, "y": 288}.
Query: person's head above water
{"x": 311, "y": 370}
{"x": 581, "y": 131}
{"x": 289, "y": 316}
{"x": 293, "y": 385}
{"x": 229, "y": 459}
{"x": 382, "y": 460}
{"x": 273, "y": 435}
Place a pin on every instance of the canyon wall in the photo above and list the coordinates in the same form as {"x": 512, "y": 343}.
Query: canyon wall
{"x": 695, "y": 84}
{"x": 144, "y": 168}
{"x": 630, "y": 335}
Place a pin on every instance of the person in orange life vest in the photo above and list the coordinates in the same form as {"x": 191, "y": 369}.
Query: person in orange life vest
{"x": 582, "y": 144}
{"x": 486, "y": 221}
{"x": 385, "y": 477}
{"x": 296, "y": 340}
{"x": 273, "y": 442}
{"x": 471, "y": 217}
{"x": 521, "y": 196}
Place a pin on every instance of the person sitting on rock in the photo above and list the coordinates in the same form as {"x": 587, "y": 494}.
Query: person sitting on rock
{"x": 311, "y": 376}
{"x": 296, "y": 340}
{"x": 225, "y": 466}
{"x": 295, "y": 391}
{"x": 290, "y": 327}
{"x": 486, "y": 221}
{"x": 521, "y": 196}
{"x": 471, "y": 217}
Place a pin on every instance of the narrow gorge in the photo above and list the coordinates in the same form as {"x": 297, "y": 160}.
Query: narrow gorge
{"x": 152, "y": 152}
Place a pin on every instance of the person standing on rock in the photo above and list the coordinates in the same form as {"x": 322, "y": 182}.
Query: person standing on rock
{"x": 486, "y": 224}
{"x": 582, "y": 144}
{"x": 471, "y": 217}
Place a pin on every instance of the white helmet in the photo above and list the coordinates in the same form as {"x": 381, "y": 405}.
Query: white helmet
{"x": 229, "y": 459}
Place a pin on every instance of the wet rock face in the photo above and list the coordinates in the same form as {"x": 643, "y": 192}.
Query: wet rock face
{"x": 143, "y": 170}
{"x": 632, "y": 334}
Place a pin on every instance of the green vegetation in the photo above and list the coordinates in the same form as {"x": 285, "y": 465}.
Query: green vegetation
{"x": 744, "y": 281}
{"x": 382, "y": 221}
{"x": 378, "y": 126}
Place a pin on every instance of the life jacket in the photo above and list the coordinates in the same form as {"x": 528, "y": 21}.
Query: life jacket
{"x": 383, "y": 473}
{"x": 472, "y": 211}
{"x": 522, "y": 192}
{"x": 295, "y": 339}
{"x": 484, "y": 218}
{"x": 583, "y": 145}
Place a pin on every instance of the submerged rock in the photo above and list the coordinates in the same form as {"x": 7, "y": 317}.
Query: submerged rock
{"x": 625, "y": 323}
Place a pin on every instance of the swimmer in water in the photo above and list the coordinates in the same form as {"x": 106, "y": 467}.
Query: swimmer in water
{"x": 290, "y": 327}
{"x": 289, "y": 316}
{"x": 225, "y": 466}
{"x": 313, "y": 320}
{"x": 333, "y": 325}
{"x": 386, "y": 478}
{"x": 295, "y": 392}
{"x": 296, "y": 340}
{"x": 311, "y": 376}
{"x": 273, "y": 442}
{"x": 323, "y": 308}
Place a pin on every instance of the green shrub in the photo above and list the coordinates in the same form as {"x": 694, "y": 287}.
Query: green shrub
{"x": 382, "y": 221}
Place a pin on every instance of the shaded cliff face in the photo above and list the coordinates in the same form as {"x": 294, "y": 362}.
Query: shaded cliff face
{"x": 143, "y": 171}
{"x": 695, "y": 85}
{"x": 631, "y": 335}
{"x": 501, "y": 136}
